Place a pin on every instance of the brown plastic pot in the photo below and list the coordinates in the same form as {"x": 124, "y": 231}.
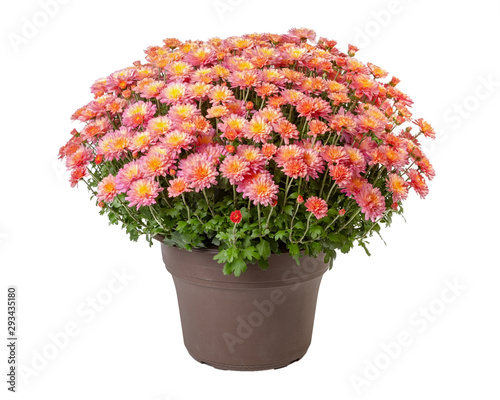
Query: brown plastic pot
{"x": 262, "y": 319}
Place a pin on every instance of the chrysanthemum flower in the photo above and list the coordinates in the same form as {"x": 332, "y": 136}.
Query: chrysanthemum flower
{"x": 426, "y": 128}
{"x": 314, "y": 164}
{"x": 182, "y": 112}
{"x": 138, "y": 113}
{"x": 417, "y": 182}
{"x": 253, "y": 155}
{"x": 159, "y": 126}
{"x": 114, "y": 144}
{"x": 356, "y": 159}
{"x": 261, "y": 190}
{"x": 177, "y": 140}
{"x": 80, "y": 158}
{"x": 234, "y": 168}
{"x": 232, "y": 126}
{"x": 96, "y": 129}
{"x": 295, "y": 168}
{"x": 217, "y": 111}
{"x": 317, "y": 127}
{"x": 288, "y": 152}
{"x": 77, "y": 175}
{"x": 198, "y": 91}
{"x": 173, "y": 93}
{"x": 143, "y": 192}
{"x": 334, "y": 154}
{"x": 149, "y": 88}
{"x": 258, "y": 130}
{"x": 426, "y": 168}
{"x": 128, "y": 174}
{"x": 177, "y": 187}
{"x": 106, "y": 189}
{"x": 220, "y": 94}
{"x": 235, "y": 217}
{"x": 286, "y": 130}
{"x": 178, "y": 70}
{"x": 317, "y": 206}
{"x": 199, "y": 171}
{"x": 398, "y": 187}
{"x": 244, "y": 79}
{"x": 156, "y": 162}
{"x": 140, "y": 142}
{"x": 370, "y": 200}
{"x": 341, "y": 174}
{"x": 268, "y": 150}
{"x": 313, "y": 107}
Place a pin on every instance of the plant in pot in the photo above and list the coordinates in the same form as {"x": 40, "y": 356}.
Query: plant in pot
{"x": 252, "y": 160}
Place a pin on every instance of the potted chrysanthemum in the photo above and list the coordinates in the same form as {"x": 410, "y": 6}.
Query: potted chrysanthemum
{"x": 253, "y": 160}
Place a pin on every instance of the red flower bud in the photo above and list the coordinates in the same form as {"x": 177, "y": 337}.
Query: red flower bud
{"x": 341, "y": 211}
{"x": 98, "y": 159}
{"x": 300, "y": 199}
{"x": 230, "y": 148}
{"x": 249, "y": 105}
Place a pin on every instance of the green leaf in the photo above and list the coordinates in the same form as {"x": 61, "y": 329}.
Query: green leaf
{"x": 250, "y": 253}
{"x": 264, "y": 249}
{"x": 315, "y": 231}
{"x": 288, "y": 210}
{"x": 280, "y": 235}
{"x": 237, "y": 266}
{"x": 263, "y": 263}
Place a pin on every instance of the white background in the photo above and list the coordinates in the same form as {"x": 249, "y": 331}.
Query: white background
{"x": 59, "y": 252}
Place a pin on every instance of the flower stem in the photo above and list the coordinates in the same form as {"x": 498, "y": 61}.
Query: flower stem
{"x": 208, "y": 204}
{"x": 258, "y": 213}
{"x": 153, "y": 213}
{"x": 350, "y": 219}
{"x": 187, "y": 207}
{"x": 307, "y": 227}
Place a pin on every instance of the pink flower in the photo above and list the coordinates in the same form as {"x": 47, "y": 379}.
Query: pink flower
{"x": 199, "y": 171}
{"x": 177, "y": 187}
{"x": 398, "y": 187}
{"x": 370, "y": 200}
{"x": 235, "y": 169}
{"x": 417, "y": 182}
{"x": 143, "y": 192}
{"x": 317, "y": 206}
{"x": 128, "y": 174}
{"x": 138, "y": 113}
{"x": 106, "y": 189}
{"x": 261, "y": 190}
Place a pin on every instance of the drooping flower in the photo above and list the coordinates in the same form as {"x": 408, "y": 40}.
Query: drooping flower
{"x": 426, "y": 128}
{"x": 417, "y": 182}
{"x": 317, "y": 206}
{"x": 398, "y": 187}
{"x": 143, "y": 192}
{"x": 370, "y": 200}
{"x": 106, "y": 189}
